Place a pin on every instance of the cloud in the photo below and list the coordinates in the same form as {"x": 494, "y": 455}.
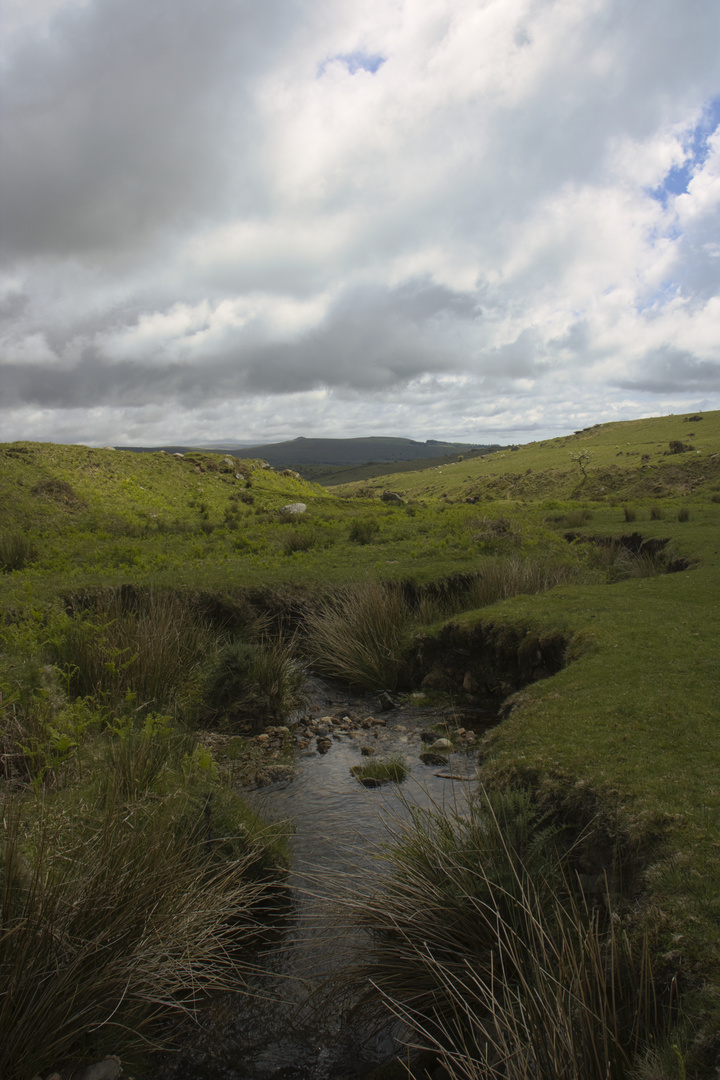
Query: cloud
{"x": 213, "y": 208}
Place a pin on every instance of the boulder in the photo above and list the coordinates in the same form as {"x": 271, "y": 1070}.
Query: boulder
{"x": 108, "y": 1069}
{"x": 393, "y": 497}
{"x": 293, "y": 508}
{"x": 440, "y": 744}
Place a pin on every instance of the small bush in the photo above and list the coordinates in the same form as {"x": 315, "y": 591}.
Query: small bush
{"x": 715, "y": 499}
{"x": 363, "y": 530}
{"x": 683, "y": 513}
{"x": 679, "y": 447}
{"x": 17, "y": 549}
{"x": 374, "y": 773}
{"x": 629, "y": 513}
{"x": 656, "y": 513}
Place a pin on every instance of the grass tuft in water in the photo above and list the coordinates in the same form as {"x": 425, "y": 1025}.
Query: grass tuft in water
{"x": 374, "y": 773}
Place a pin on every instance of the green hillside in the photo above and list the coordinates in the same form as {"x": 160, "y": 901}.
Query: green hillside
{"x": 570, "y": 585}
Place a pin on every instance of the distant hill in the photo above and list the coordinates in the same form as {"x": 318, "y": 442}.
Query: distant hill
{"x": 301, "y": 451}
{"x": 320, "y": 459}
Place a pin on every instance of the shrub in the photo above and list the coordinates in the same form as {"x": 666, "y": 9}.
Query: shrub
{"x": 358, "y": 635}
{"x": 656, "y": 513}
{"x": 683, "y": 513}
{"x": 484, "y": 946}
{"x": 629, "y": 513}
{"x": 17, "y": 549}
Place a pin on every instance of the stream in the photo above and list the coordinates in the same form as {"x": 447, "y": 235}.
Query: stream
{"x": 299, "y": 1026}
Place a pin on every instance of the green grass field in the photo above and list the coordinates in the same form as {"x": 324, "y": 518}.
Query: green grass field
{"x": 502, "y": 563}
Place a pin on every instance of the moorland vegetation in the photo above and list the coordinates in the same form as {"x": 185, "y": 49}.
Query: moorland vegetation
{"x": 567, "y": 925}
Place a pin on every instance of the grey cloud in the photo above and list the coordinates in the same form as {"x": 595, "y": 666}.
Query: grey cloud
{"x": 132, "y": 114}
{"x": 576, "y": 339}
{"x": 668, "y": 370}
{"x": 518, "y": 359}
{"x": 372, "y": 339}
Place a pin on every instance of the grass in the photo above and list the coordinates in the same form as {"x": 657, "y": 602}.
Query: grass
{"x": 17, "y": 550}
{"x": 159, "y": 588}
{"x": 253, "y": 684}
{"x": 148, "y": 644}
{"x": 117, "y": 913}
{"x": 485, "y": 946}
{"x": 359, "y": 635}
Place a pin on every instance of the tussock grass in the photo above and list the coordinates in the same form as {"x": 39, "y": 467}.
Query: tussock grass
{"x": 359, "y": 634}
{"x": 363, "y": 530}
{"x": 619, "y": 563}
{"x": 485, "y": 946}
{"x": 299, "y": 540}
{"x": 17, "y": 550}
{"x": 256, "y": 682}
{"x": 501, "y": 578}
{"x": 113, "y": 919}
{"x": 150, "y": 647}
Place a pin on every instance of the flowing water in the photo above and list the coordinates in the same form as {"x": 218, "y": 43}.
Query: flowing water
{"x": 301, "y": 1025}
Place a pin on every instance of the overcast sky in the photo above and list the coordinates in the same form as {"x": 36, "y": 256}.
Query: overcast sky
{"x": 490, "y": 220}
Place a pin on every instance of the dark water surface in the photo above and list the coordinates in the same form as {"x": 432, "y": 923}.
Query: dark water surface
{"x": 301, "y": 1026}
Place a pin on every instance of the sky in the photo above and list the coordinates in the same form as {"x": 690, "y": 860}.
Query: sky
{"x": 486, "y": 220}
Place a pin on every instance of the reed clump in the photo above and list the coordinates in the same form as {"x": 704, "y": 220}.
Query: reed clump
{"x": 501, "y": 578}
{"x": 253, "y": 682}
{"x": 17, "y": 550}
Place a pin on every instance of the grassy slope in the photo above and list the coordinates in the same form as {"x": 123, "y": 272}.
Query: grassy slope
{"x": 545, "y": 469}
